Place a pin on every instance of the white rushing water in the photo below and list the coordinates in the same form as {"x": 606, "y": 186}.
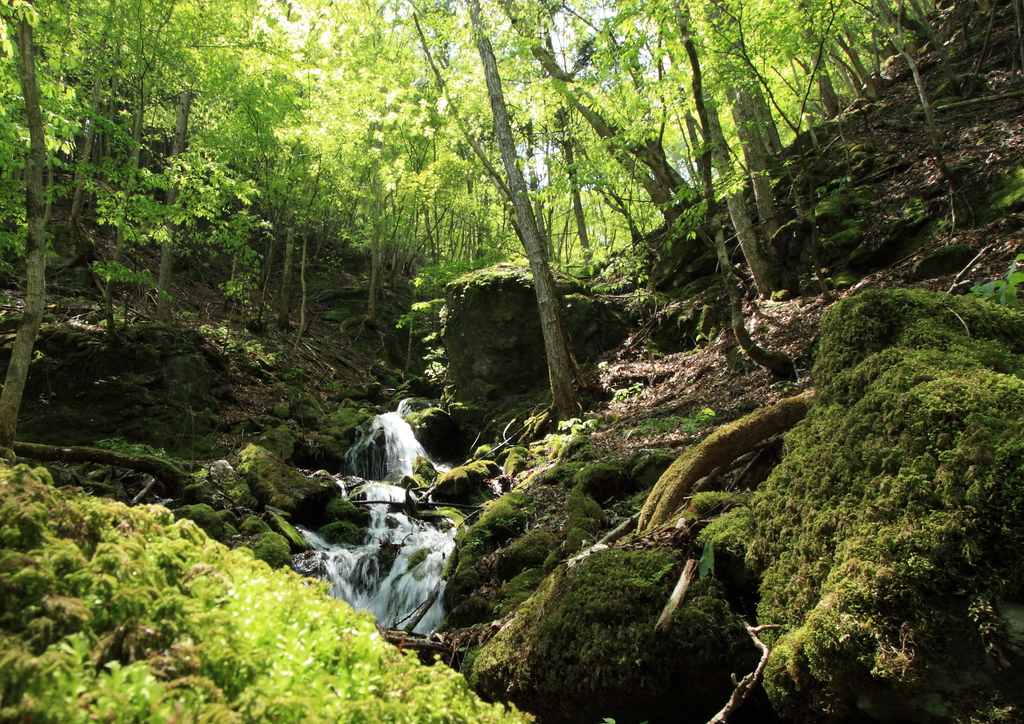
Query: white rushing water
{"x": 376, "y": 576}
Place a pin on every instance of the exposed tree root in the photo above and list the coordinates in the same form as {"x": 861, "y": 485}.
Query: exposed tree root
{"x": 166, "y": 472}
{"x": 721, "y": 447}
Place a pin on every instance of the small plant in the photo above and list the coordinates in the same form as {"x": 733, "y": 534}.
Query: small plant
{"x": 1003, "y": 291}
{"x": 626, "y": 392}
{"x": 685, "y": 425}
{"x": 568, "y": 428}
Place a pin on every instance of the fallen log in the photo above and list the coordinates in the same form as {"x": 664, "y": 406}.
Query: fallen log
{"x": 163, "y": 470}
{"x": 716, "y": 450}
{"x": 676, "y": 599}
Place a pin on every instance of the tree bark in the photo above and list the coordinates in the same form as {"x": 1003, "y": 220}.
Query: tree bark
{"x": 283, "y": 319}
{"x": 35, "y": 247}
{"x": 721, "y": 446}
{"x": 163, "y": 300}
{"x": 750, "y": 125}
{"x": 560, "y": 370}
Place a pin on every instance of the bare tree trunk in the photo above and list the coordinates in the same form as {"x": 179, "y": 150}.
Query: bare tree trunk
{"x": 302, "y": 283}
{"x": 86, "y": 157}
{"x": 829, "y": 98}
{"x": 283, "y": 320}
{"x": 778, "y": 363}
{"x": 560, "y": 369}
{"x": 35, "y": 247}
{"x": 109, "y": 288}
{"x": 163, "y": 300}
{"x": 749, "y": 125}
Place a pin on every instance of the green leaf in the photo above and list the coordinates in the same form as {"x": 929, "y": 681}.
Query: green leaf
{"x": 706, "y": 567}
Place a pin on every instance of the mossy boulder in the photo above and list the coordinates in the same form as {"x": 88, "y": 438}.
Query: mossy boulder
{"x": 424, "y": 471}
{"x": 603, "y": 481}
{"x": 254, "y": 525}
{"x": 948, "y": 260}
{"x": 279, "y": 440}
{"x": 189, "y": 630}
{"x": 461, "y": 484}
{"x": 205, "y": 517}
{"x": 584, "y": 648}
{"x": 892, "y": 534}
{"x": 273, "y": 549}
{"x": 648, "y": 466}
{"x": 583, "y": 522}
{"x": 343, "y": 423}
{"x": 274, "y": 483}
{"x": 527, "y": 552}
{"x": 434, "y": 428}
{"x": 304, "y": 407}
{"x": 342, "y": 532}
{"x": 515, "y": 461}
{"x": 278, "y": 524}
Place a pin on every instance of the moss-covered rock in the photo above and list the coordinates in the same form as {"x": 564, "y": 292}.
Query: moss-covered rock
{"x": 894, "y": 528}
{"x": 515, "y": 461}
{"x": 424, "y": 472}
{"x": 278, "y": 524}
{"x": 274, "y": 483}
{"x": 343, "y": 423}
{"x": 279, "y": 440}
{"x": 583, "y": 522}
{"x": 304, "y": 407}
{"x": 527, "y": 552}
{"x": 460, "y": 484}
{"x": 648, "y": 466}
{"x": 948, "y": 260}
{"x": 433, "y": 427}
{"x": 603, "y": 481}
{"x": 205, "y": 517}
{"x": 584, "y": 647}
{"x": 341, "y": 509}
{"x": 342, "y": 532}
{"x": 273, "y": 548}
{"x": 254, "y": 525}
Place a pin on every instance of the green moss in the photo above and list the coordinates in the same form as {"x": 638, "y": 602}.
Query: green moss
{"x": 1010, "y": 198}
{"x": 899, "y": 502}
{"x": 584, "y": 512}
{"x": 648, "y": 467}
{"x": 416, "y": 558}
{"x": 273, "y": 548}
{"x": 343, "y": 423}
{"x": 459, "y": 484}
{"x": 424, "y": 471}
{"x": 603, "y": 481}
{"x": 584, "y": 647}
{"x": 254, "y": 525}
{"x": 561, "y": 474}
{"x": 280, "y": 441}
{"x": 204, "y": 516}
{"x": 527, "y": 552}
{"x": 187, "y": 629}
{"x": 342, "y": 509}
{"x": 279, "y": 525}
{"x": 271, "y": 481}
{"x": 513, "y": 594}
{"x": 431, "y": 426}
{"x": 515, "y": 461}
{"x": 342, "y": 532}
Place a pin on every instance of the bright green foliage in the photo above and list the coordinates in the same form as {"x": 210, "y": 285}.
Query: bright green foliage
{"x": 896, "y": 513}
{"x": 584, "y": 646}
{"x": 123, "y": 615}
{"x": 1003, "y": 291}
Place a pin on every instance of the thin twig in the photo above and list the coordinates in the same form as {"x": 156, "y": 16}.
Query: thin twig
{"x": 745, "y": 685}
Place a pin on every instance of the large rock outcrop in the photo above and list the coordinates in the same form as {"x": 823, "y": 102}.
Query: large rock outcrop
{"x": 493, "y": 338}
{"x": 890, "y": 541}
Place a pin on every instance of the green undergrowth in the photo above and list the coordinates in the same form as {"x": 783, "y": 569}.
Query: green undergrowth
{"x": 118, "y": 614}
{"x": 891, "y": 537}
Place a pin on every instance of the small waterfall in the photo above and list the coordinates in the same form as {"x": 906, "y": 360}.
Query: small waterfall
{"x": 376, "y": 576}
{"x": 387, "y": 447}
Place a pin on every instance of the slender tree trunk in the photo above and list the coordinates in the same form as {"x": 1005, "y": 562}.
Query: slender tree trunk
{"x": 283, "y": 319}
{"x": 163, "y": 300}
{"x": 778, "y": 363}
{"x": 86, "y": 158}
{"x": 302, "y": 283}
{"x": 555, "y": 343}
{"x": 749, "y": 125}
{"x": 829, "y": 98}
{"x": 375, "y": 276}
{"x": 35, "y": 247}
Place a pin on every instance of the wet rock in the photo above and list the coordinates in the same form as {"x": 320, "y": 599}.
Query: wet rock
{"x": 274, "y": 483}
{"x": 459, "y": 485}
